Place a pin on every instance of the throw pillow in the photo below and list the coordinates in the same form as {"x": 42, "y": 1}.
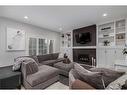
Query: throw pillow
{"x": 31, "y": 67}
{"x": 18, "y": 61}
{"x": 92, "y": 78}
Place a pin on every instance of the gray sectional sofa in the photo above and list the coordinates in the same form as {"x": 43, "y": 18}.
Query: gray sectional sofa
{"x": 43, "y": 71}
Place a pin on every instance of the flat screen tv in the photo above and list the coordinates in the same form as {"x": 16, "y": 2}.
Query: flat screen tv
{"x": 83, "y": 38}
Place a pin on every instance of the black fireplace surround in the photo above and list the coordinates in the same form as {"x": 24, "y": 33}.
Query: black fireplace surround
{"x": 83, "y": 37}
{"x": 85, "y": 56}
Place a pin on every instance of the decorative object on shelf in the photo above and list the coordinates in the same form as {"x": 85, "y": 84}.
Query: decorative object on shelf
{"x": 65, "y": 55}
{"x": 66, "y": 60}
{"x": 125, "y": 53}
{"x": 105, "y": 28}
{"x": 106, "y": 43}
{"x": 105, "y": 35}
{"x": 121, "y": 36}
{"x": 15, "y": 39}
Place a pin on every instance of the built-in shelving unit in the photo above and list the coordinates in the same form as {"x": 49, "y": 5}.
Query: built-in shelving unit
{"x": 111, "y": 40}
{"x": 66, "y": 40}
{"x": 112, "y": 33}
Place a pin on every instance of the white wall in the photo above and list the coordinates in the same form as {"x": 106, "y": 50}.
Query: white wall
{"x": 7, "y": 57}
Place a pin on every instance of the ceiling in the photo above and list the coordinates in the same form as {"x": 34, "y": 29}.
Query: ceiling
{"x": 65, "y": 17}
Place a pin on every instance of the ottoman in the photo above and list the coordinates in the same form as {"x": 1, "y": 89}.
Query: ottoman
{"x": 64, "y": 68}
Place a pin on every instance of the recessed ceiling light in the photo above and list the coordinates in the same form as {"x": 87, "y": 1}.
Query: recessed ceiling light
{"x": 105, "y": 14}
{"x": 60, "y": 29}
{"x": 26, "y": 17}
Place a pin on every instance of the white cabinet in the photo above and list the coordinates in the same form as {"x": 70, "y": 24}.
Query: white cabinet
{"x": 106, "y": 57}
{"x": 110, "y": 58}
{"x": 101, "y": 57}
{"x": 118, "y": 54}
{"x": 120, "y": 65}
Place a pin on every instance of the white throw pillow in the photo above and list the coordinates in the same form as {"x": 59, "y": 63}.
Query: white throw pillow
{"x": 18, "y": 61}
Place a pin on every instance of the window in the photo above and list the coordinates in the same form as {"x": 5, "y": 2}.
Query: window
{"x": 32, "y": 46}
{"x": 40, "y": 46}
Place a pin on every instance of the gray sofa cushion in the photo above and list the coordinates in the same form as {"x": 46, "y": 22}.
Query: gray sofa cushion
{"x": 92, "y": 78}
{"x": 55, "y": 55}
{"x": 45, "y": 57}
{"x": 63, "y": 66}
{"x": 45, "y": 73}
{"x": 48, "y": 62}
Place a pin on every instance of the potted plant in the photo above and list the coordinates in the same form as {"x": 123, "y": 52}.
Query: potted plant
{"x": 106, "y": 43}
{"x": 125, "y": 53}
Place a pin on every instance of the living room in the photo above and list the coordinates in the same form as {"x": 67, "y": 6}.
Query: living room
{"x": 63, "y": 47}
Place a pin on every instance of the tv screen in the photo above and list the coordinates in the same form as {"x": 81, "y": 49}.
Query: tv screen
{"x": 83, "y": 38}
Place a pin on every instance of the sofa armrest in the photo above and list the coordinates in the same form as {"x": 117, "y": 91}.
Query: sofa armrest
{"x": 23, "y": 70}
{"x": 78, "y": 84}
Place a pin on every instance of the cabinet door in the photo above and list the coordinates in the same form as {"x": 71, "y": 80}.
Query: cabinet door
{"x": 101, "y": 61}
{"x": 110, "y": 58}
{"x": 118, "y": 54}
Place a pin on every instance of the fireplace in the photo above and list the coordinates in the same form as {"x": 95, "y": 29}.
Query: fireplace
{"x": 85, "y": 56}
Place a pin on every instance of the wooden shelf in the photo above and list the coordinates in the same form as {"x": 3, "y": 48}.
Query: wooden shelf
{"x": 106, "y": 37}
